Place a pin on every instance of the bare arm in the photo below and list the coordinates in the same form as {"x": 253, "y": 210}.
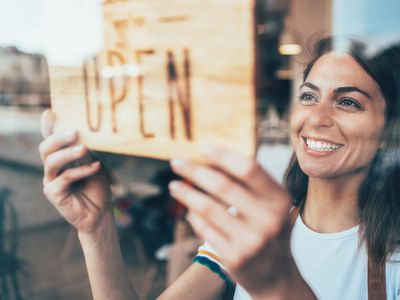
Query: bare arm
{"x": 109, "y": 280}
{"x": 104, "y": 263}
{"x": 196, "y": 283}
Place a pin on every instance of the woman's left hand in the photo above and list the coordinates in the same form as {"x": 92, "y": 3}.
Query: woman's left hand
{"x": 252, "y": 237}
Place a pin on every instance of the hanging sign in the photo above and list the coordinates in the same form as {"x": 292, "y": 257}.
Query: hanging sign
{"x": 156, "y": 78}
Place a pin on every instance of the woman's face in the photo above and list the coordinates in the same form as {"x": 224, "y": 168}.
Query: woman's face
{"x": 337, "y": 119}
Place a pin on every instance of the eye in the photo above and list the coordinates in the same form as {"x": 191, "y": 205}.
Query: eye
{"x": 350, "y": 104}
{"x": 307, "y": 98}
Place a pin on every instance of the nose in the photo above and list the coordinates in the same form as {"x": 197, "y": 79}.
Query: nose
{"x": 322, "y": 115}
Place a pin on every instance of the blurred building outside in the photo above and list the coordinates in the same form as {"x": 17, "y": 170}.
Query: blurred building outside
{"x": 24, "y": 78}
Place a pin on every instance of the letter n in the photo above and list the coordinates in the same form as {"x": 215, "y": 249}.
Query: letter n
{"x": 183, "y": 99}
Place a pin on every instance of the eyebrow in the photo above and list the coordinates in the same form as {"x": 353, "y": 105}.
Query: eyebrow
{"x": 346, "y": 89}
{"x": 339, "y": 90}
{"x": 310, "y": 85}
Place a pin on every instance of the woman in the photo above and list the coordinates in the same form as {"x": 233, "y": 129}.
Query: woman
{"x": 343, "y": 178}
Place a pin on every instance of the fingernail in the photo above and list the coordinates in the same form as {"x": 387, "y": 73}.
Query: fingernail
{"x": 78, "y": 148}
{"x": 177, "y": 163}
{"x": 209, "y": 150}
{"x": 95, "y": 164}
{"x": 174, "y": 186}
{"x": 68, "y": 133}
{"x": 189, "y": 218}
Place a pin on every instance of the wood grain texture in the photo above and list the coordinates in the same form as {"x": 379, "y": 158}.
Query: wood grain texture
{"x": 172, "y": 75}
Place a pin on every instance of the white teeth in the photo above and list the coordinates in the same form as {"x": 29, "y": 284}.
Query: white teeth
{"x": 321, "y": 146}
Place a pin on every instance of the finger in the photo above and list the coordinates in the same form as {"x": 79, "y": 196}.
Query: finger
{"x": 212, "y": 212}
{"x": 234, "y": 252}
{"x": 227, "y": 249}
{"x": 243, "y": 168}
{"x": 237, "y": 230}
{"x": 56, "y": 141}
{"x": 59, "y": 159}
{"x": 56, "y": 190}
{"x": 47, "y": 123}
{"x": 217, "y": 184}
{"x": 217, "y": 240}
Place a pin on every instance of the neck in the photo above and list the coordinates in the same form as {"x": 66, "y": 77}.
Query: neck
{"x": 332, "y": 204}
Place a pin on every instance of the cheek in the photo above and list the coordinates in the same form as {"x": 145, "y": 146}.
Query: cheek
{"x": 370, "y": 144}
{"x": 367, "y": 130}
{"x": 297, "y": 120}
{"x": 364, "y": 140}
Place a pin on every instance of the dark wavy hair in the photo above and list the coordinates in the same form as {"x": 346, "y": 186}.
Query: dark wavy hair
{"x": 379, "y": 193}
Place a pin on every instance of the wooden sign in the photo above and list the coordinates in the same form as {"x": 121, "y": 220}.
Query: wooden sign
{"x": 170, "y": 76}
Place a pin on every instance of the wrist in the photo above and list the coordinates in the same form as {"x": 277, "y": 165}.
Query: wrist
{"x": 289, "y": 285}
{"x": 103, "y": 231}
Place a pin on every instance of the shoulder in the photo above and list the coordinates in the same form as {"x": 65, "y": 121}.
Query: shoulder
{"x": 393, "y": 275}
{"x": 394, "y": 261}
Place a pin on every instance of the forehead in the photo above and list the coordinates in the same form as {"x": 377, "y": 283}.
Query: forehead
{"x": 333, "y": 70}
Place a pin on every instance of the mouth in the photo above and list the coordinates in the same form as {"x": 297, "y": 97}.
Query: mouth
{"x": 321, "y": 146}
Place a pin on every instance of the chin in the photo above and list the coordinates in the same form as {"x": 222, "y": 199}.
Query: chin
{"x": 316, "y": 171}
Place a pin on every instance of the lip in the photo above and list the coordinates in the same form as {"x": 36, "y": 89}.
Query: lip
{"x": 319, "y": 153}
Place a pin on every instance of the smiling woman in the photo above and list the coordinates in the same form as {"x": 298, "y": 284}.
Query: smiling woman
{"x": 345, "y": 132}
{"x": 345, "y": 240}
{"x": 343, "y": 181}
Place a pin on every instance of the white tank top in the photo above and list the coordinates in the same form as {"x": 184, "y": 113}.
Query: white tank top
{"x": 334, "y": 266}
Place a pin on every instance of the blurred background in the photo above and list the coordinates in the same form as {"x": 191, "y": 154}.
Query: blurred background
{"x": 40, "y": 257}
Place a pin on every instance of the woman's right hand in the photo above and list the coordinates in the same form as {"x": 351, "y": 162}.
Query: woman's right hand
{"x": 80, "y": 193}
